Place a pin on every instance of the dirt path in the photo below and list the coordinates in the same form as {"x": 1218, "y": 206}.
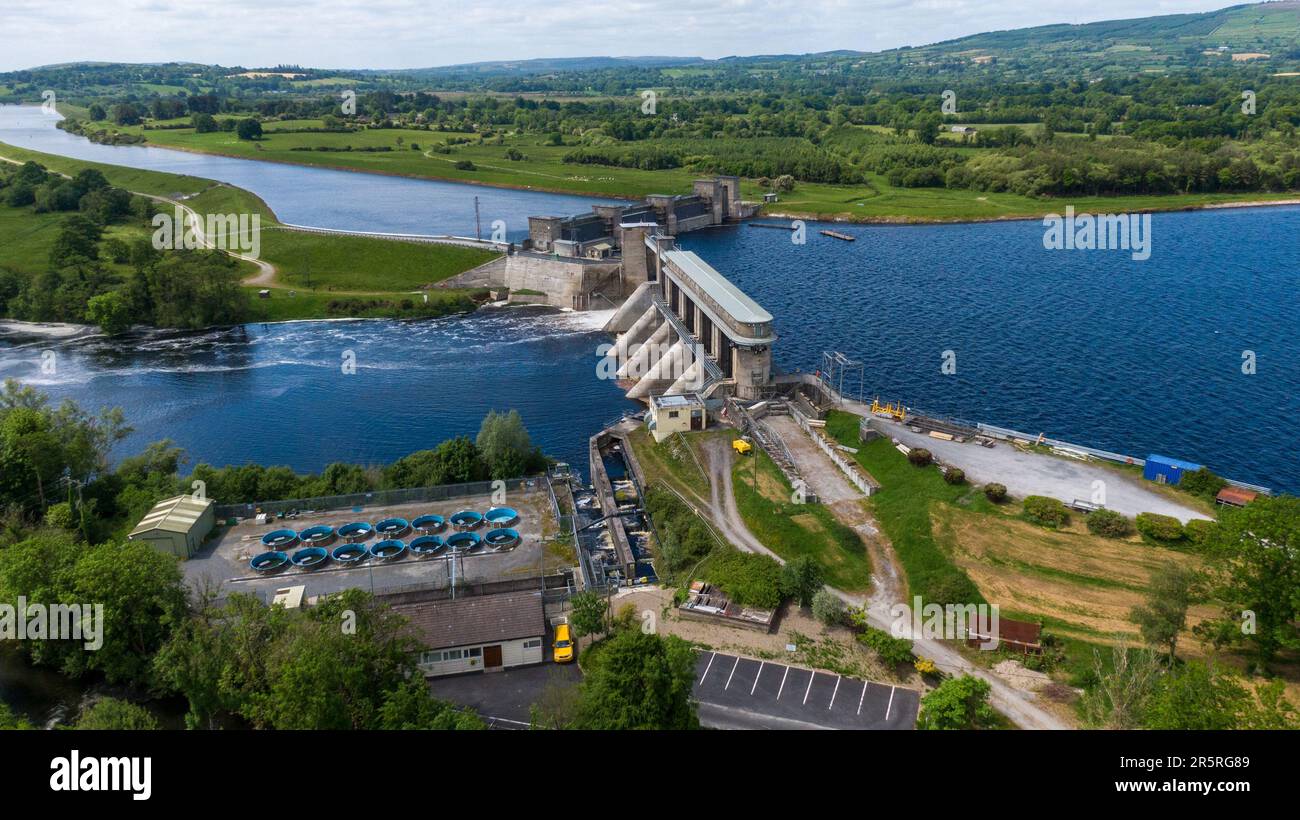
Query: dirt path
{"x": 1017, "y": 705}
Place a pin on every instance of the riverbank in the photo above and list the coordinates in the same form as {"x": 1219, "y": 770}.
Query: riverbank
{"x": 875, "y": 201}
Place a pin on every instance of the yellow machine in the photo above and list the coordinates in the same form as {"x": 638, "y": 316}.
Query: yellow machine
{"x": 741, "y": 446}
{"x": 895, "y": 411}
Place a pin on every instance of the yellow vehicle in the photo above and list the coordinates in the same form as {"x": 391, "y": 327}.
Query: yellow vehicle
{"x": 563, "y": 644}
{"x": 741, "y": 446}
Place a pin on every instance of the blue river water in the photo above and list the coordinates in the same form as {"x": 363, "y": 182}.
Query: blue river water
{"x": 1092, "y": 347}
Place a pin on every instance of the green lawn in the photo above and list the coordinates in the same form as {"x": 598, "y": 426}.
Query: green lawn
{"x": 348, "y": 263}
{"x": 281, "y": 307}
{"x": 794, "y": 530}
{"x": 903, "y": 509}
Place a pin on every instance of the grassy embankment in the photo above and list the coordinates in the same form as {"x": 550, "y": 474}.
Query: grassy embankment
{"x": 359, "y": 275}
{"x": 543, "y": 168}
{"x": 792, "y": 530}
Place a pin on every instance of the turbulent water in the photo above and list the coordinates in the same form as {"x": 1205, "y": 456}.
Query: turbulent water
{"x": 279, "y": 393}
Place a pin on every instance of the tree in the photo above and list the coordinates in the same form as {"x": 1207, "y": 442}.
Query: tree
{"x": 1118, "y": 696}
{"x": 1255, "y": 570}
{"x": 588, "y": 613}
{"x": 504, "y": 444}
{"x": 801, "y": 579}
{"x": 957, "y": 703}
{"x": 8, "y": 720}
{"x": 249, "y": 129}
{"x": 827, "y": 607}
{"x": 78, "y": 239}
{"x": 112, "y": 311}
{"x": 995, "y": 492}
{"x": 116, "y": 715}
{"x": 1164, "y": 615}
{"x": 410, "y": 706}
{"x": 641, "y": 681}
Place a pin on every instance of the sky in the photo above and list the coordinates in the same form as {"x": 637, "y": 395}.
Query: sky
{"x": 423, "y": 33}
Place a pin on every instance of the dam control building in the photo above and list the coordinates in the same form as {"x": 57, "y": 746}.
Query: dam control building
{"x": 681, "y": 326}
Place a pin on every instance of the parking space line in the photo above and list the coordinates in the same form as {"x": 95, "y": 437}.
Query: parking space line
{"x": 783, "y": 677}
{"x": 809, "y": 689}
{"x": 835, "y": 692}
{"x": 733, "y": 674}
{"x": 891, "y": 701}
{"x": 760, "y": 671}
{"x": 862, "y": 697}
{"x": 707, "y": 668}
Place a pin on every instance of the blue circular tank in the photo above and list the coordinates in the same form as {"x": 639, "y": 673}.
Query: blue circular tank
{"x": 466, "y": 520}
{"x": 279, "y": 539}
{"x": 502, "y": 538}
{"x": 464, "y": 541}
{"x": 349, "y": 553}
{"x": 428, "y": 524}
{"x": 392, "y": 527}
{"x": 427, "y": 545}
{"x": 269, "y": 561}
{"x": 356, "y": 531}
{"x": 501, "y": 516}
{"x": 388, "y": 549}
{"x": 319, "y": 534}
{"x": 310, "y": 557}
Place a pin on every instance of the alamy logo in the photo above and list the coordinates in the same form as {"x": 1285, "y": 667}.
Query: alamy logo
{"x": 1086, "y": 232}
{"x": 952, "y": 622}
{"x": 240, "y": 233}
{"x": 53, "y": 622}
{"x": 75, "y": 773}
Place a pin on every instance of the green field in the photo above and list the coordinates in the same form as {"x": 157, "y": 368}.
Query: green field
{"x": 355, "y": 273}
{"x": 543, "y": 168}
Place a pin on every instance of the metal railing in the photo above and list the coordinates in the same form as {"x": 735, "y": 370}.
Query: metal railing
{"x": 374, "y": 498}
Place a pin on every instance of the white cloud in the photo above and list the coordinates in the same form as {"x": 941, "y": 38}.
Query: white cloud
{"x": 420, "y": 33}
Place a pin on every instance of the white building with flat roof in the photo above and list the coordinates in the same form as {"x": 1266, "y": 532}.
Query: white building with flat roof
{"x": 670, "y": 415}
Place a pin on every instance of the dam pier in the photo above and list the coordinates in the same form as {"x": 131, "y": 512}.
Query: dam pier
{"x": 681, "y": 327}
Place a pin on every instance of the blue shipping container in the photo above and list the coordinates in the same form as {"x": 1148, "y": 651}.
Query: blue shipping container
{"x": 1166, "y": 470}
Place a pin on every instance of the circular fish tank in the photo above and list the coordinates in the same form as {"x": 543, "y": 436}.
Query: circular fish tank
{"x": 388, "y": 549}
{"x": 279, "y": 539}
{"x": 392, "y": 527}
{"x": 427, "y": 545}
{"x": 464, "y": 541}
{"x": 349, "y": 553}
{"x": 320, "y": 534}
{"x": 501, "y": 516}
{"x": 310, "y": 557}
{"x": 503, "y": 538}
{"x": 269, "y": 561}
{"x": 429, "y": 523}
{"x": 356, "y": 531}
{"x": 466, "y": 520}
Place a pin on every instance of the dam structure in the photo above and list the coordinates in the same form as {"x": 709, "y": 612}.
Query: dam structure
{"x": 681, "y": 326}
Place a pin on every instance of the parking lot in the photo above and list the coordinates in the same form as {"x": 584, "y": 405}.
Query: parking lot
{"x": 746, "y": 693}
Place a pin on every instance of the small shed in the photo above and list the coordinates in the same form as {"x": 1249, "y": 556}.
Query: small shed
{"x": 177, "y": 525}
{"x": 1235, "y": 496}
{"x": 676, "y": 414}
{"x": 1166, "y": 470}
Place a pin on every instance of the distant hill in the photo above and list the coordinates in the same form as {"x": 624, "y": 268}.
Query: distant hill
{"x": 545, "y": 65}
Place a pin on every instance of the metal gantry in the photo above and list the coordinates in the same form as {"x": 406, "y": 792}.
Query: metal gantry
{"x": 835, "y": 366}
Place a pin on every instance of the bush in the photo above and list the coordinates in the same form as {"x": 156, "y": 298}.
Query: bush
{"x": 828, "y": 608}
{"x": 748, "y": 578}
{"x": 1198, "y": 530}
{"x": 919, "y": 456}
{"x": 1046, "y": 511}
{"x": 893, "y": 651}
{"x": 997, "y": 493}
{"x": 1202, "y": 482}
{"x": 1159, "y": 527}
{"x": 465, "y": 165}
{"x": 955, "y": 476}
{"x": 1109, "y": 524}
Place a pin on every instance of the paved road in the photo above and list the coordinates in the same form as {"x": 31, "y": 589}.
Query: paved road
{"x": 745, "y": 693}
{"x": 1026, "y": 473}
{"x": 505, "y": 698}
